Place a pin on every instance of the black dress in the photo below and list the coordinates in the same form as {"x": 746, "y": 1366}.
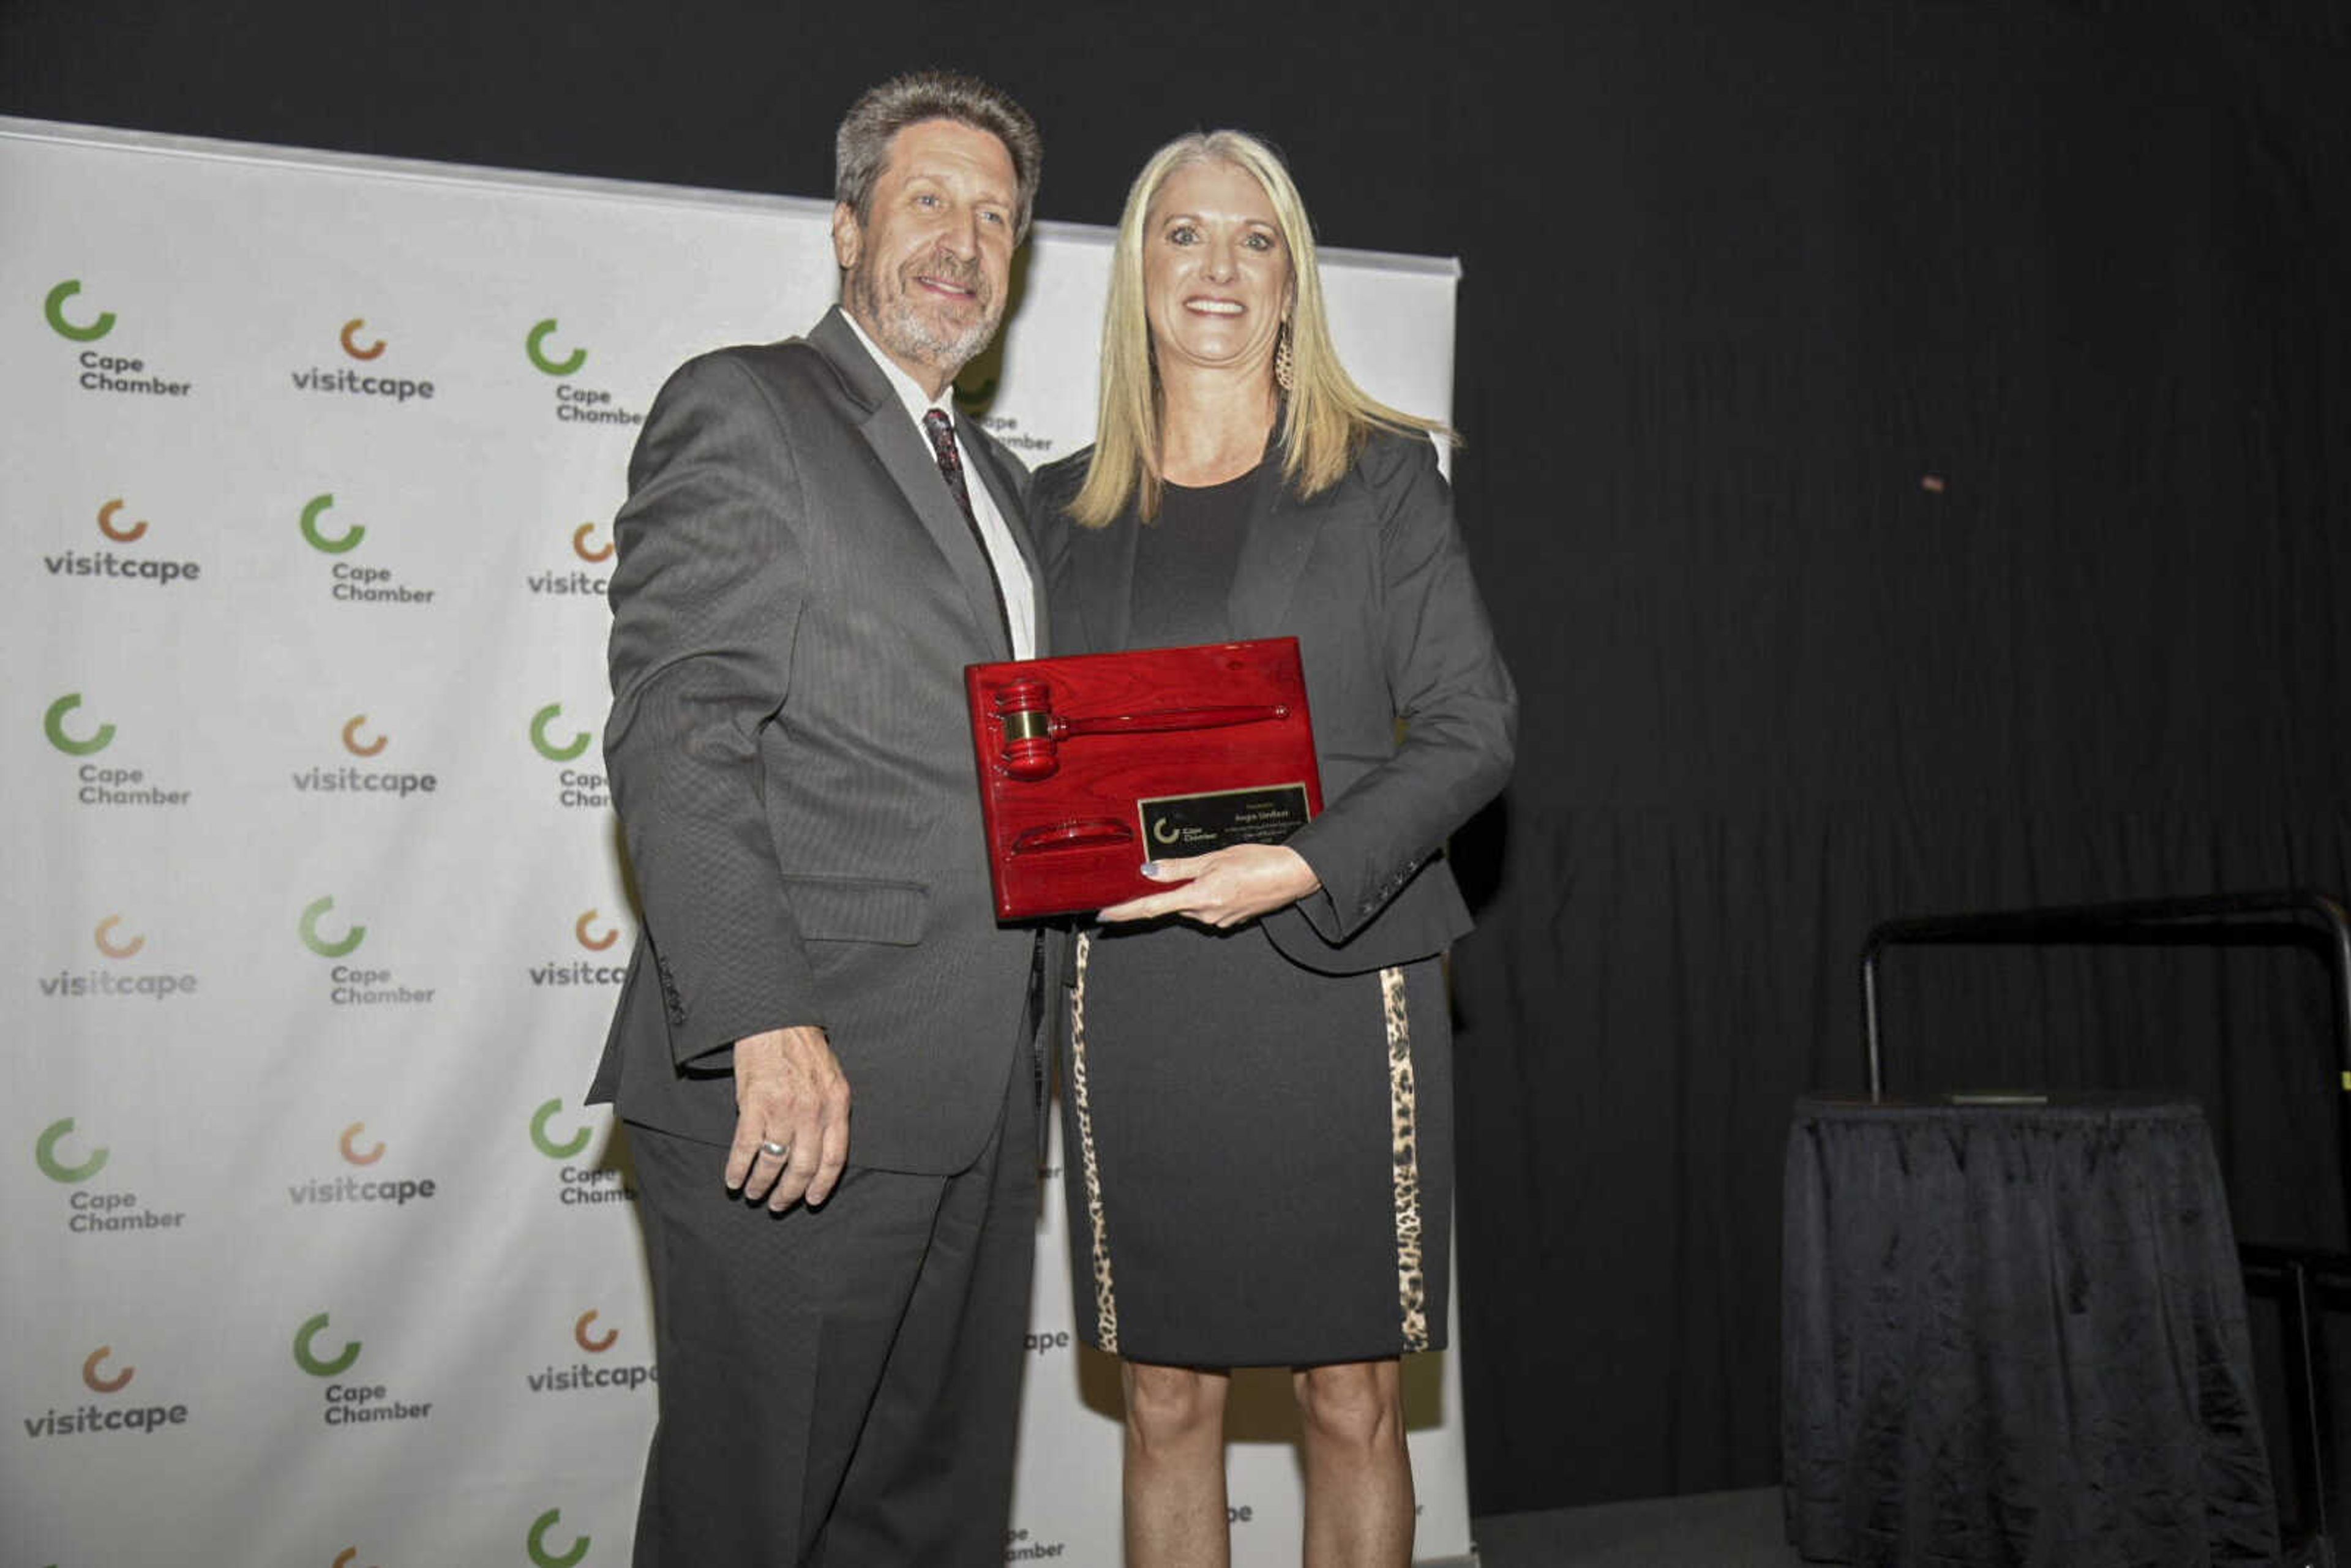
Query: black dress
{"x": 1258, "y": 1157}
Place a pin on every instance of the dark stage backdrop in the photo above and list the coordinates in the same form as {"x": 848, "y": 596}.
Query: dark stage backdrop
{"x": 1907, "y": 468}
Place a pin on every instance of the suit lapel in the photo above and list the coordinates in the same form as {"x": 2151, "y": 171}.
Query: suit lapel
{"x": 1277, "y": 541}
{"x": 1008, "y": 506}
{"x": 1102, "y": 576}
{"x": 907, "y": 458}
{"x": 1275, "y": 545}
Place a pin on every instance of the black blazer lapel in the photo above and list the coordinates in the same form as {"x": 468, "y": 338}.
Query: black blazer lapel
{"x": 1277, "y": 540}
{"x": 908, "y": 459}
{"x": 1101, "y": 579}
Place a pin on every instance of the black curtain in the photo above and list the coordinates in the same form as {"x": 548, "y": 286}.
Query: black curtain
{"x": 1906, "y": 467}
{"x": 1948, "y": 511}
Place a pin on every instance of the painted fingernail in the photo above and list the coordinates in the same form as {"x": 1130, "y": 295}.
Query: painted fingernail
{"x": 1151, "y": 868}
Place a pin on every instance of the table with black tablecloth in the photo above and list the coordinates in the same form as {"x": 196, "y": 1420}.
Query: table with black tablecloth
{"x": 2015, "y": 1334}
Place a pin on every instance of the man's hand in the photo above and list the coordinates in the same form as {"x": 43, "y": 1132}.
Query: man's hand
{"x": 788, "y": 1090}
{"x": 1224, "y": 887}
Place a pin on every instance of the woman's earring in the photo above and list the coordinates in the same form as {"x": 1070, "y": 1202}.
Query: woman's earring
{"x": 1283, "y": 373}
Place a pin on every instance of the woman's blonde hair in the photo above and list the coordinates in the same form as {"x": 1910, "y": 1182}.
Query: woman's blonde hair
{"x": 1326, "y": 417}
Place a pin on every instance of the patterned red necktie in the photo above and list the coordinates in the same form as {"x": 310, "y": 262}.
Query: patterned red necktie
{"x": 941, "y": 430}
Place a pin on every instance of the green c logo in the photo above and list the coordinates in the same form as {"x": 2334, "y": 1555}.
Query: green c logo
{"x": 538, "y": 1551}
{"x": 547, "y": 748}
{"x": 536, "y": 347}
{"x": 53, "y": 725}
{"x": 53, "y": 307}
{"x": 347, "y": 540}
{"x": 309, "y": 1362}
{"x": 547, "y": 1145}
{"x": 44, "y": 1154}
{"x": 319, "y": 945}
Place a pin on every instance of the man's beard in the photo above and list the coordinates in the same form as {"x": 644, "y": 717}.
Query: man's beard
{"x": 903, "y": 328}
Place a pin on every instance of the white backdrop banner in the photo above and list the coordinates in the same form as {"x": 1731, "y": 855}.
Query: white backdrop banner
{"x": 316, "y": 910}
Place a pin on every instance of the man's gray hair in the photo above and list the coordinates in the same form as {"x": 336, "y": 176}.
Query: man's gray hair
{"x": 861, "y": 147}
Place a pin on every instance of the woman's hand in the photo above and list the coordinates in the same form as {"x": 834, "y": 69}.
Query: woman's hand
{"x": 1224, "y": 887}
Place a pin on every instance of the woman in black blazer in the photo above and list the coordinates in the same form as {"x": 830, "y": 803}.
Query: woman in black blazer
{"x": 1257, "y": 1098}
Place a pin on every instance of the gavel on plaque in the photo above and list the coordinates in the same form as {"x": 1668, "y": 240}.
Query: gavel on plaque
{"x": 1032, "y": 733}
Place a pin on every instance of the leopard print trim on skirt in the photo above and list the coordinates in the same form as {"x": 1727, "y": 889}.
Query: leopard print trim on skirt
{"x": 1105, "y": 1291}
{"x": 1412, "y": 1291}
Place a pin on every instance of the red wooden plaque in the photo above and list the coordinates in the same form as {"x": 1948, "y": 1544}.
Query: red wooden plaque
{"x": 1092, "y": 764}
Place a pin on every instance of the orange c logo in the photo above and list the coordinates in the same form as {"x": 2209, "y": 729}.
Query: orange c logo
{"x": 349, "y": 1144}
{"x": 89, "y": 1372}
{"x": 350, "y": 331}
{"x": 579, "y": 545}
{"x": 106, "y": 942}
{"x": 120, "y": 536}
{"x": 594, "y": 944}
{"x": 593, "y": 1346}
{"x": 352, "y": 744}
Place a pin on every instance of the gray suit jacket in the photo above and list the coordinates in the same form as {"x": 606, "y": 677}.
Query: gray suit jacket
{"x": 1370, "y": 578}
{"x": 797, "y": 596}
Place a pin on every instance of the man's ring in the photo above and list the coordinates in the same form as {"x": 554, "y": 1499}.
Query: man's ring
{"x": 780, "y": 1151}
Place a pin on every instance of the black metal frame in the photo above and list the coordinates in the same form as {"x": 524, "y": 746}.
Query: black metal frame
{"x": 2292, "y": 1270}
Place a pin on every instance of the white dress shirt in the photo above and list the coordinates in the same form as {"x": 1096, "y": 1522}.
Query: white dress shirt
{"x": 1003, "y": 554}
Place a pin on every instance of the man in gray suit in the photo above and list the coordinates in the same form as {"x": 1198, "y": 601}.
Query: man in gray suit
{"x": 811, "y": 550}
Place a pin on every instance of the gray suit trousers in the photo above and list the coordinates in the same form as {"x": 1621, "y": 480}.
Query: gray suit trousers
{"x": 840, "y": 1387}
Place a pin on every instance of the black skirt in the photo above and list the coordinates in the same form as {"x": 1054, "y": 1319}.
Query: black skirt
{"x": 1258, "y": 1158}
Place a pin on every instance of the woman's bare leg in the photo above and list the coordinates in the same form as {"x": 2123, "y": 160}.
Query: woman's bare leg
{"x": 1174, "y": 1474}
{"x": 1359, "y": 1505}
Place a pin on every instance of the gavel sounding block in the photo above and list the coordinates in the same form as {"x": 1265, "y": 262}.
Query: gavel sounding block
{"x": 1090, "y": 765}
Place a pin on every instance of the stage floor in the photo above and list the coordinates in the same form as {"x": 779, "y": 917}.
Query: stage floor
{"x": 1711, "y": 1530}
